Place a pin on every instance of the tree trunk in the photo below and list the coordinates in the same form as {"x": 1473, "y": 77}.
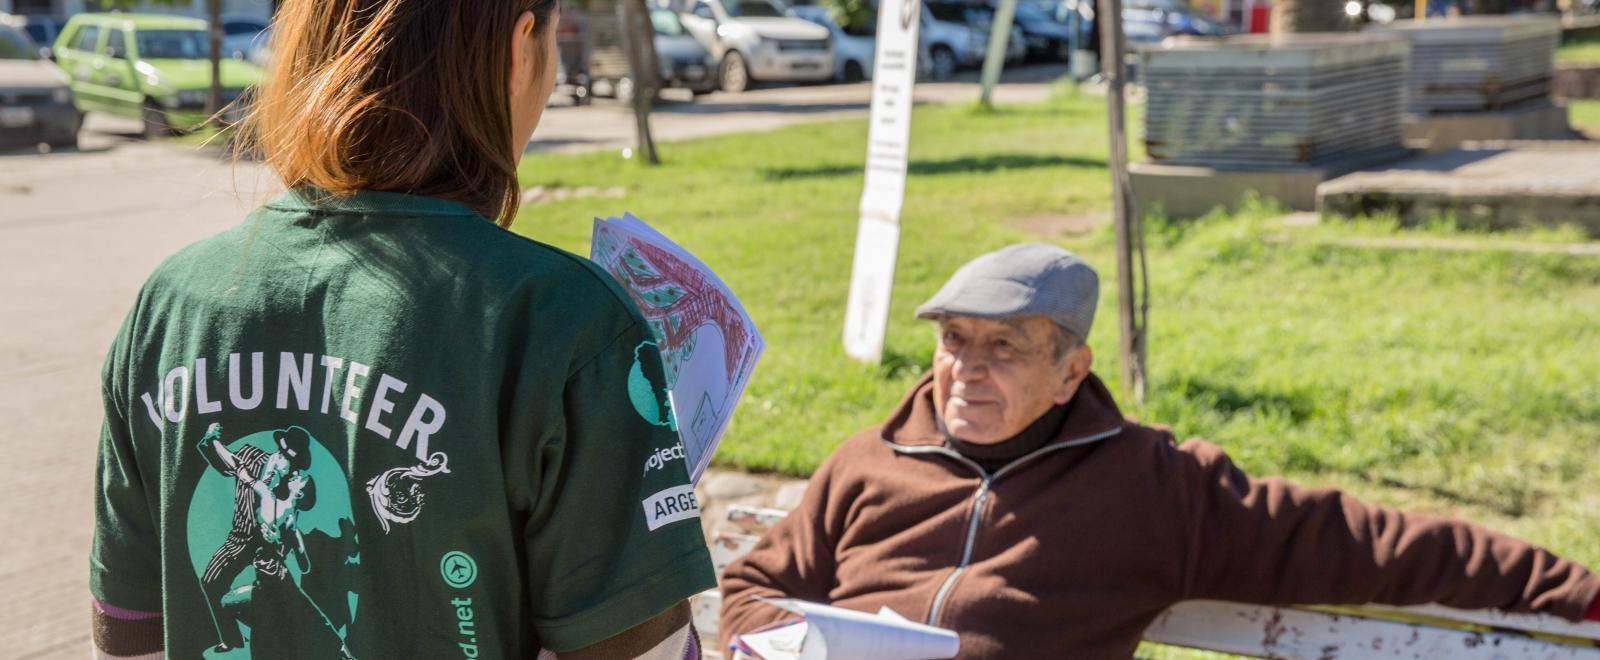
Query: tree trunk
{"x": 638, "y": 46}
{"x": 1308, "y": 16}
{"x": 214, "y": 98}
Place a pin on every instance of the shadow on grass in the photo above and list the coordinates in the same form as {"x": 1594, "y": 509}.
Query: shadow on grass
{"x": 897, "y": 364}
{"x": 1514, "y": 504}
{"x": 964, "y": 165}
{"x": 1232, "y": 400}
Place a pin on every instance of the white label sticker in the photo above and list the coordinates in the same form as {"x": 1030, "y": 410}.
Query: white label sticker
{"x": 866, "y": 315}
{"x": 670, "y": 506}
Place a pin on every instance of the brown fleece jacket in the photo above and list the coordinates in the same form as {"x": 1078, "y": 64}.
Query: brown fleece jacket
{"x": 1073, "y": 550}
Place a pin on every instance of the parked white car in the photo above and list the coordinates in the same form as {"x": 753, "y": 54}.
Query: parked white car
{"x": 757, "y": 40}
{"x": 852, "y": 53}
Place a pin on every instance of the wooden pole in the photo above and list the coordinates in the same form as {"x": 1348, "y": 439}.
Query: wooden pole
{"x": 1130, "y": 338}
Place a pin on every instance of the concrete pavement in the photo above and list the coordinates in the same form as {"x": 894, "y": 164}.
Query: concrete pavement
{"x": 607, "y": 125}
{"x": 79, "y": 232}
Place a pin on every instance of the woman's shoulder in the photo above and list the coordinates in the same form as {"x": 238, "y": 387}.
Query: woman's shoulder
{"x": 460, "y": 255}
{"x": 540, "y": 270}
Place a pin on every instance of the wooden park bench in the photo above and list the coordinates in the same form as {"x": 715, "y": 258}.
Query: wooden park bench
{"x": 1371, "y": 631}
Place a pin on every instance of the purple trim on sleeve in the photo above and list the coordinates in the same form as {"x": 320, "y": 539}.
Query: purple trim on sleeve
{"x": 127, "y": 615}
{"x": 691, "y": 650}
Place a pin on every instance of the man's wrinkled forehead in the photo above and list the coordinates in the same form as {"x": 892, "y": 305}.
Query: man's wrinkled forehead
{"x": 1017, "y": 325}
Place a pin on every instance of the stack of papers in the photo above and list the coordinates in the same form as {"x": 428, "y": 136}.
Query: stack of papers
{"x": 835, "y": 632}
{"x": 707, "y": 341}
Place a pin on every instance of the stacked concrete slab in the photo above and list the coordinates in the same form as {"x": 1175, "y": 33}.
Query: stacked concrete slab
{"x": 1263, "y": 102}
{"x": 1481, "y": 78}
{"x": 1478, "y": 63}
{"x": 1276, "y": 114}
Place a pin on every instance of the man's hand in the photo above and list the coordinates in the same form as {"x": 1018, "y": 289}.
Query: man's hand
{"x": 215, "y": 452}
{"x": 213, "y": 434}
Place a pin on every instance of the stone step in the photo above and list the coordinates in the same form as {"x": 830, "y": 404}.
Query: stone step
{"x": 1486, "y": 185}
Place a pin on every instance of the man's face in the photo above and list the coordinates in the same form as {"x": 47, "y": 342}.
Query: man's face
{"x": 286, "y": 451}
{"x": 292, "y": 454}
{"x": 991, "y": 379}
{"x": 273, "y": 471}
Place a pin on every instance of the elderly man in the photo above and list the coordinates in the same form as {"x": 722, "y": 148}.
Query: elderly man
{"x": 1009, "y": 500}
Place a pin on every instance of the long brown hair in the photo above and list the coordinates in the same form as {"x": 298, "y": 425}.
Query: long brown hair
{"x": 405, "y": 96}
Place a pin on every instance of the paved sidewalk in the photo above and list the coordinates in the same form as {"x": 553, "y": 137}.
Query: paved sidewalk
{"x": 610, "y": 126}
{"x": 80, "y": 231}
{"x": 78, "y": 234}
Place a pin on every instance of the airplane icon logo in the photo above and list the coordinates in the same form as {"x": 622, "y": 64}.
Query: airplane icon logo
{"x": 458, "y": 569}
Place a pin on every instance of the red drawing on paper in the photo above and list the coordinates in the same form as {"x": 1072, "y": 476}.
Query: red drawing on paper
{"x": 677, "y": 299}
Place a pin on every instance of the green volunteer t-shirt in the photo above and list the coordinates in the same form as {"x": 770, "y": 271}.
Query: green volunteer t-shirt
{"x": 383, "y": 426}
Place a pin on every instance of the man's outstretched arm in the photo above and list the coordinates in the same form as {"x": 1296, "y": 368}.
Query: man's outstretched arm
{"x": 793, "y": 559}
{"x": 1271, "y": 542}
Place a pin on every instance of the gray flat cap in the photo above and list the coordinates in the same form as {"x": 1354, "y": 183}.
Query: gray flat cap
{"x": 1030, "y": 279}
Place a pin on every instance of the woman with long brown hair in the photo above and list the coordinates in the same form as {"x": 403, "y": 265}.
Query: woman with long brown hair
{"x": 371, "y": 422}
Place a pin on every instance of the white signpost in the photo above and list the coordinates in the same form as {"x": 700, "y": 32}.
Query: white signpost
{"x": 878, "y": 236}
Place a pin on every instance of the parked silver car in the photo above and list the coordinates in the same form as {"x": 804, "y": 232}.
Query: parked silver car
{"x": 948, "y": 43}
{"x": 946, "y": 46}
{"x": 852, "y": 53}
{"x": 35, "y": 99}
{"x": 757, "y": 40}
{"x": 685, "y": 62}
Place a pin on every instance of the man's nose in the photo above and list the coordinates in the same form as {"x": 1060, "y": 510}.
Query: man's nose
{"x": 969, "y": 365}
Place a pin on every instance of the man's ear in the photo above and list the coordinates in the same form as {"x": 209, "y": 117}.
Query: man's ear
{"x": 1078, "y": 363}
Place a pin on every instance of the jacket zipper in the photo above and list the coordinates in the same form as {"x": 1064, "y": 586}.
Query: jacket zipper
{"x": 978, "y": 502}
{"x": 966, "y": 552}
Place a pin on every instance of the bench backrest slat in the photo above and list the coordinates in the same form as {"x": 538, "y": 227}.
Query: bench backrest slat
{"x": 1279, "y": 632}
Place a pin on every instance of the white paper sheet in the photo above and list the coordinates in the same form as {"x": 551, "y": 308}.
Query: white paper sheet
{"x": 835, "y": 632}
{"x": 708, "y": 344}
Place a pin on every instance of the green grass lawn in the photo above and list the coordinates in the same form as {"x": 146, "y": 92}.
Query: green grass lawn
{"x": 1585, "y": 116}
{"x": 1579, "y": 50}
{"x": 1449, "y": 382}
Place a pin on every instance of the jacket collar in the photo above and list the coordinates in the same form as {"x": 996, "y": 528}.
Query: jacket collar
{"x": 376, "y": 202}
{"x": 1091, "y": 413}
